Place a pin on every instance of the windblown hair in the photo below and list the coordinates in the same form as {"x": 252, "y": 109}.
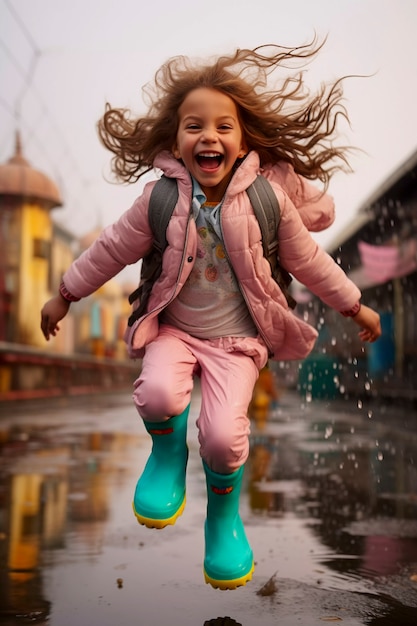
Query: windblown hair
{"x": 287, "y": 123}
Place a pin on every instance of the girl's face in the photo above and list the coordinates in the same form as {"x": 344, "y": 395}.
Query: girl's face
{"x": 209, "y": 139}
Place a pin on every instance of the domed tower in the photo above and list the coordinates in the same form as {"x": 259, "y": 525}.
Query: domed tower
{"x": 27, "y": 197}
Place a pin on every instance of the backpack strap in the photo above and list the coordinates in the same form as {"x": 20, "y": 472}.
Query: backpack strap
{"x": 163, "y": 199}
{"x": 265, "y": 205}
{"x": 268, "y": 213}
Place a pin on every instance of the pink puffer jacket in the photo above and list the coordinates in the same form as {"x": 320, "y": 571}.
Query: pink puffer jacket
{"x": 130, "y": 239}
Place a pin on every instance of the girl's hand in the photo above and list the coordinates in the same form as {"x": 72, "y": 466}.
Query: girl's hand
{"x": 369, "y": 321}
{"x": 53, "y": 311}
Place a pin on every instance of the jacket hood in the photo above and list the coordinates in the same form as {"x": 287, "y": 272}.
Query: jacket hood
{"x": 170, "y": 166}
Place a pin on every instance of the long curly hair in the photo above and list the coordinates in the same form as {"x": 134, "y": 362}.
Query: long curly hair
{"x": 284, "y": 123}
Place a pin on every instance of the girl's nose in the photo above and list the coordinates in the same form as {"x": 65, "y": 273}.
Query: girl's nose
{"x": 209, "y": 135}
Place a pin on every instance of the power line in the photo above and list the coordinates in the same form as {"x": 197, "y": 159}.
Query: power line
{"x": 45, "y": 113}
{"x": 13, "y": 58}
{"x": 27, "y": 76}
{"x": 16, "y": 111}
{"x": 23, "y": 26}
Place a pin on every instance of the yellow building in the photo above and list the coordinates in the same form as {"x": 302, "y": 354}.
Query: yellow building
{"x": 27, "y": 197}
{"x": 34, "y": 254}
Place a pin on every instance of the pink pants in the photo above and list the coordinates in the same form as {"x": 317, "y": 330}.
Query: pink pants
{"x": 228, "y": 368}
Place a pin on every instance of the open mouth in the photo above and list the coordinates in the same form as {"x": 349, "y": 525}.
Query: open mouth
{"x": 209, "y": 160}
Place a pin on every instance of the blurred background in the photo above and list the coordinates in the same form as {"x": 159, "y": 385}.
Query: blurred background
{"x": 61, "y": 62}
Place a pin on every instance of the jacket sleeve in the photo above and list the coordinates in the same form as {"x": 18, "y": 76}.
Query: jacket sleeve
{"x": 309, "y": 263}
{"x": 315, "y": 207}
{"x": 123, "y": 243}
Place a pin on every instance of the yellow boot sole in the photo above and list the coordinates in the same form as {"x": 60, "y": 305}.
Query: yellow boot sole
{"x": 234, "y": 583}
{"x": 159, "y": 523}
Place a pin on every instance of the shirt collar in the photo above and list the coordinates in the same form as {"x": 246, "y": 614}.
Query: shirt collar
{"x": 199, "y": 198}
{"x": 213, "y": 215}
{"x": 198, "y": 193}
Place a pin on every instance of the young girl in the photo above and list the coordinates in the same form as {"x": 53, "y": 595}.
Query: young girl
{"x": 215, "y": 311}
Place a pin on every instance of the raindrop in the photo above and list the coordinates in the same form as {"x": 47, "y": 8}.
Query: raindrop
{"x": 370, "y": 413}
{"x": 367, "y": 385}
{"x": 380, "y": 456}
{"x": 360, "y": 404}
{"x": 328, "y": 432}
{"x": 334, "y": 341}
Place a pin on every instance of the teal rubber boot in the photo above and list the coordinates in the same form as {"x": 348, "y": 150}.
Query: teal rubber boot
{"x": 160, "y": 491}
{"x": 228, "y": 561}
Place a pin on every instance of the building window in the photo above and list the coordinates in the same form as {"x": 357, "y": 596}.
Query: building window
{"x": 41, "y": 248}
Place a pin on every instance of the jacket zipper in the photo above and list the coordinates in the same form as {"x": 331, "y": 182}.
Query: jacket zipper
{"x": 250, "y": 309}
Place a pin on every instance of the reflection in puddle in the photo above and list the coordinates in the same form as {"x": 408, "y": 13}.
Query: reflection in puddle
{"x": 50, "y": 484}
{"x": 354, "y": 482}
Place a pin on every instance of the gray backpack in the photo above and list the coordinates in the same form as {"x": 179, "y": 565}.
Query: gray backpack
{"x": 163, "y": 199}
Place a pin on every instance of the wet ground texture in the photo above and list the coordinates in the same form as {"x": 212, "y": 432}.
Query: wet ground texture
{"x": 329, "y": 504}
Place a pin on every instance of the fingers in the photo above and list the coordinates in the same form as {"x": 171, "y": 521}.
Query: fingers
{"x": 45, "y": 327}
{"x": 366, "y": 335}
{"x": 48, "y": 328}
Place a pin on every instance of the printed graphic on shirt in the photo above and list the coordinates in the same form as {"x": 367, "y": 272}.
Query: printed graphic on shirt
{"x": 211, "y": 271}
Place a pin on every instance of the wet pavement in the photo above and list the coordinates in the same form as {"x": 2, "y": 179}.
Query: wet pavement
{"x": 329, "y": 504}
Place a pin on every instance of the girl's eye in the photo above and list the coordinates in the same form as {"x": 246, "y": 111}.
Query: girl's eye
{"x": 225, "y": 127}
{"x": 193, "y": 126}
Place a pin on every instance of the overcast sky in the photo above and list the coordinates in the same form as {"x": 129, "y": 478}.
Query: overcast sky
{"x": 61, "y": 60}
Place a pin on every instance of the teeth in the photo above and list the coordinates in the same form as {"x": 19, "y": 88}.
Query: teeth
{"x": 208, "y": 155}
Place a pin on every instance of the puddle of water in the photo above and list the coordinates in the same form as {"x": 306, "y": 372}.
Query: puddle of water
{"x": 352, "y": 482}
{"x": 331, "y": 522}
